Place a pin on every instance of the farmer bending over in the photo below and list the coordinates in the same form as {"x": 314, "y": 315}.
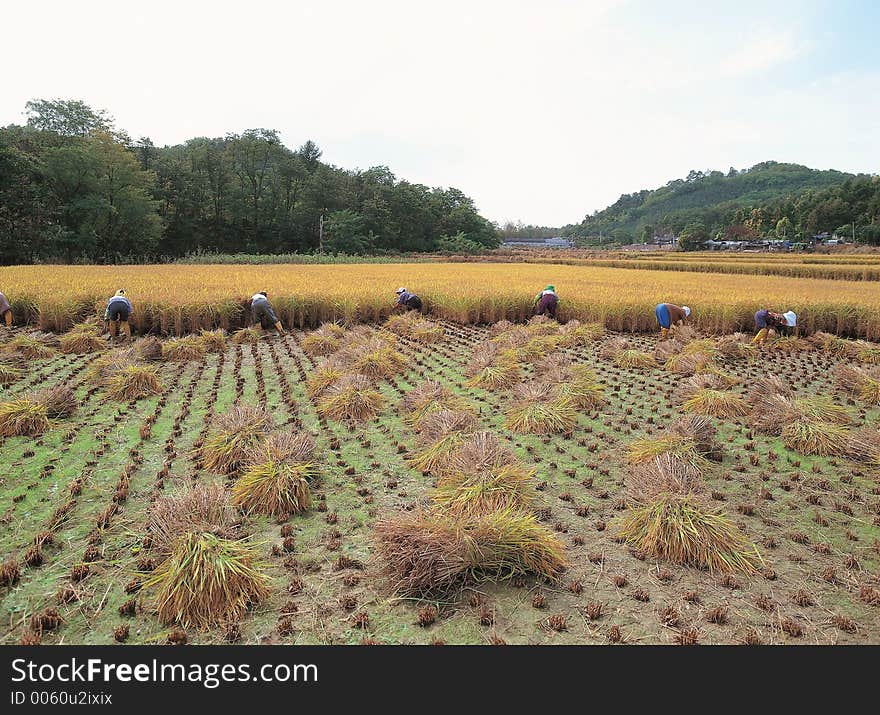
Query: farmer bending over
{"x": 546, "y": 302}
{"x": 261, "y": 310}
{"x": 669, "y": 314}
{"x": 5, "y": 311}
{"x": 767, "y": 320}
{"x": 409, "y": 301}
{"x": 117, "y": 314}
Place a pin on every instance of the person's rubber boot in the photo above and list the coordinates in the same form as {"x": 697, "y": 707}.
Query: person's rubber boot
{"x": 126, "y": 328}
{"x": 760, "y": 337}
{"x": 664, "y": 333}
{"x": 8, "y": 318}
{"x": 113, "y": 330}
{"x": 279, "y": 329}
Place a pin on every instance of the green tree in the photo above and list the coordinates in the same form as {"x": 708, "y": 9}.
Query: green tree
{"x": 345, "y": 232}
{"x": 783, "y": 227}
{"x": 69, "y": 118}
{"x": 459, "y": 243}
{"x": 692, "y": 237}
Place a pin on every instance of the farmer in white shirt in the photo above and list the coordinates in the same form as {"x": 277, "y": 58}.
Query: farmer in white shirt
{"x": 261, "y": 310}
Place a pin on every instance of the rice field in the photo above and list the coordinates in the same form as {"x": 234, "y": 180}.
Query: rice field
{"x": 438, "y": 482}
{"x": 177, "y": 299}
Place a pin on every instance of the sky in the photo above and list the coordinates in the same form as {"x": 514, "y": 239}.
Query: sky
{"x": 542, "y": 112}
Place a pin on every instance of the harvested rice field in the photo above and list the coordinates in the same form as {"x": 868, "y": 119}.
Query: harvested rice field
{"x": 430, "y": 482}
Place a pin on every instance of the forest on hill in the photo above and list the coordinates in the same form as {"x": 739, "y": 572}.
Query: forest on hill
{"x": 75, "y": 188}
{"x": 768, "y": 200}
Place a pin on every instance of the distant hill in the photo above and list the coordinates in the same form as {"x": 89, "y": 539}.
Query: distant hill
{"x": 711, "y": 198}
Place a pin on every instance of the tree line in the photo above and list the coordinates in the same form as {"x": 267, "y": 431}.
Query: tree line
{"x": 770, "y": 200}
{"x": 74, "y": 188}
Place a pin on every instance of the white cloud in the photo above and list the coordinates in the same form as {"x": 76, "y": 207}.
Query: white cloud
{"x": 541, "y": 112}
{"x": 762, "y": 51}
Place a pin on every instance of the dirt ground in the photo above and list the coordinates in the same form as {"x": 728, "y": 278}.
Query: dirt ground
{"x": 814, "y": 520}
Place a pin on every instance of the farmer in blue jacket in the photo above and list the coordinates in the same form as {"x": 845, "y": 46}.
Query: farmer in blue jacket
{"x": 117, "y": 314}
{"x": 407, "y": 300}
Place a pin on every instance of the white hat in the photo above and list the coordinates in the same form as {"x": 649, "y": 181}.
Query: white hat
{"x": 790, "y": 318}
{"x": 687, "y": 311}
{"x": 401, "y": 290}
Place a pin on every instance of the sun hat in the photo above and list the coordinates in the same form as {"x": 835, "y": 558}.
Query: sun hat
{"x": 401, "y": 290}
{"x": 551, "y": 287}
{"x": 121, "y": 291}
{"x": 790, "y": 318}
{"x": 687, "y": 311}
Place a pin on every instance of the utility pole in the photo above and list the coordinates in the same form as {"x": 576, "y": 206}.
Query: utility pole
{"x": 321, "y": 232}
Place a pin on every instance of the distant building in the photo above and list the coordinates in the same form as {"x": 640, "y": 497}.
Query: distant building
{"x": 554, "y": 242}
{"x": 665, "y": 239}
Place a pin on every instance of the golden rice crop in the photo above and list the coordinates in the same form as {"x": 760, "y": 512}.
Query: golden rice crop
{"x": 277, "y": 474}
{"x": 379, "y": 362}
{"x": 59, "y": 401}
{"x": 180, "y": 299}
{"x": 319, "y": 342}
{"x": 203, "y": 506}
{"x": 814, "y": 437}
{"x": 213, "y": 340}
{"x": 868, "y": 353}
{"x": 352, "y": 399}
{"x": 247, "y": 336}
{"x": 737, "y": 346}
{"x": 23, "y": 417}
{"x": 583, "y": 392}
{"x": 8, "y": 373}
{"x": 428, "y": 333}
{"x": 231, "y": 437}
{"x": 434, "y": 552}
{"x": 492, "y": 370}
{"x": 134, "y": 382}
{"x": 187, "y": 348}
{"x": 325, "y": 374}
{"x": 441, "y": 433}
{"x": 208, "y": 581}
{"x": 482, "y": 451}
{"x": 504, "y": 487}
{"x": 634, "y": 359}
{"x": 858, "y": 382}
{"x": 864, "y": 445}
{"x": 682, "y": 530}
{"x": 716, "y": 403}
{"x": 577, "y": 334}
{"x": 429, "y": 397}
{"x": 551, "y": 416}
{"x": 82, "y": 338}
{"x": 109, "y": 363}
{"x": 664, "y": 474}
{"x": 148, "y": 349}
{"x": 790, "y": 344}
{"x": 28, "y": 346}
{"x": 679, "y": 446}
